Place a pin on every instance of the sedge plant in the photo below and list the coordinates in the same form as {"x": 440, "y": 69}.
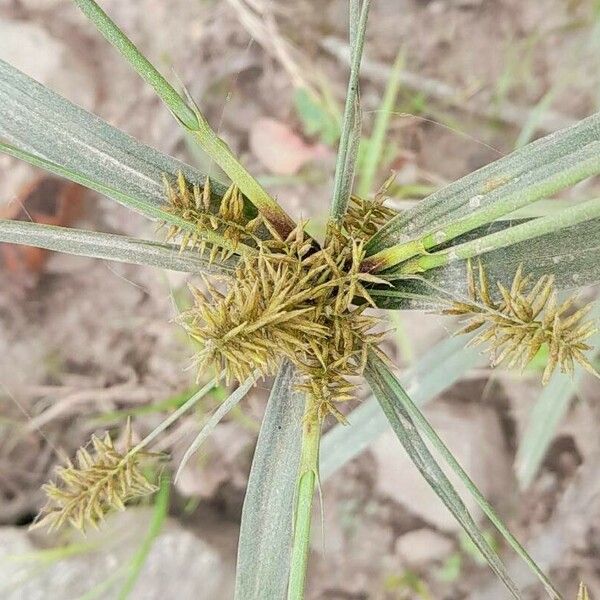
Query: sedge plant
{"x": 271, "y": 300}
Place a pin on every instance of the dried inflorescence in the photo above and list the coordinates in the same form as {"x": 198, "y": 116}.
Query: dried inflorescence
{"x": 98, "y": 482}
{"x": 527, "y": 317}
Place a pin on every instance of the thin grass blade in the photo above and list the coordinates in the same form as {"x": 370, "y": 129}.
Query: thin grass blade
{"x": 44, "y": 129}
{"x": 391, "y": 397}
{"x": 351, "y": 123}
{"x": 215, "y": 419}
{"x": 436, "y": 371}
{"x": 536, "y": 170}
{"x": 266, "y": 530}
{"x": 375, "y": 145}
{"x": 190, "y": 117}
{"x": 509, "y": 236}
{"x": 424, "y": 428}
{"x": 571, "y": 255}
{"x": 109, "y": 246}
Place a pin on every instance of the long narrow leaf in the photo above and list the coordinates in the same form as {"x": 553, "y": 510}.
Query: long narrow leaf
{"x": 524, "y": 232}
{"x": 571, "y": 255}
{"x": 512, "y": 175}
{"x": 109, "y": 246}
{"x": 422, "y": 424}
{"x": 44, "y": 129}
{"x": 215, "y": 419}
{"x": 375, "y": 145}
{"x": 190, "y": 117}
{"x": 266, "y": 529}
{"x": 391, "y": 397}
{"x": 43, "y": 124}
{"x": 487, "y": 207}
{"x": 436, "y": 371}
{"x": 351, "y": 124}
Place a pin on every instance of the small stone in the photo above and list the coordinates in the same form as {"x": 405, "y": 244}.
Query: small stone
{"x": 178, "y": 561}
{"x": 421, "y": 546}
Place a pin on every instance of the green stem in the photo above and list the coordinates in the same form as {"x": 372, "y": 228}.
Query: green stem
{"x": 586, "y": 211}
{"x": 191, "y": 118}
{"x": 375, "y": 145}
{"x": 346, "y": 157}
{"x": 567, "y": 171}
{"x": 193, "y": 400}
{"x": 140, "y": 63}
{"x": 308, "y": 477}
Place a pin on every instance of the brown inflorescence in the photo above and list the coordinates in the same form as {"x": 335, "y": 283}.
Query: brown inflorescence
{"x": 526, "y": 317}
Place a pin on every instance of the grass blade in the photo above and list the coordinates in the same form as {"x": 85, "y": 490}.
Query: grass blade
{"x": 436, "y": 371}
{"x": 190, "y": 117}
{"x": 529, "y": 230}
{"x": 391, "y": 397}
{"x": 44, "y": 129}
{"x": 39, "y": 123}
{"x": 348, "y": 146}
{"x": 191, "y": 402}
{"x": 215, "y": 419}
{"x": 571, "y": 255}
{"x": 418, "y": 419}
{"x": 267, "y": 517}
{"x": 485, "y": 208}
{"x": 375, "y": 145}
{"x": 159, "y": 515}
{"x": 516, "y": 175}
{"x": 108, "y": 246}
{"x": 140, "y": 63}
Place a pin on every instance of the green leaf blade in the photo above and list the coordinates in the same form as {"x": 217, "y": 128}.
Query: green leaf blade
{"x": 389, "y": 394}
{"x": 515, "y": 175}
{"x": 109, "y": 246}
{"x": 439, "y": 369}
{"x": 266, "y": 529}
{"x": 425, "y": 428}
{"x": 42, "y": 124}
{"x": 351, "y": 123}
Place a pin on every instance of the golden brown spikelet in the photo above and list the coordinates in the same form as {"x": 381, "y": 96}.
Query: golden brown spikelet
{"x": 365, "y": 216}
{"x": 527, "y": 317}
{"x": 289, "y": 302}
{"x": 99, "y": 481}
{"x": 192, "y": 203}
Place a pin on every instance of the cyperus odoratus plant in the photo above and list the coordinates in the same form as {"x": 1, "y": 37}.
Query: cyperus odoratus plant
{"x": 270, "y": 299}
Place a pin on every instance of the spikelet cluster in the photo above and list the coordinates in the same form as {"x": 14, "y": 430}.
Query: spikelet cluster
{"x": 526, "y": 317}
{"x": 192, "y": 203}
{"x": 290, "y": 301}
{"x": 582, "y": 592}
{"x": 99, "y": 481}
{"x": 366, "y": 216}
